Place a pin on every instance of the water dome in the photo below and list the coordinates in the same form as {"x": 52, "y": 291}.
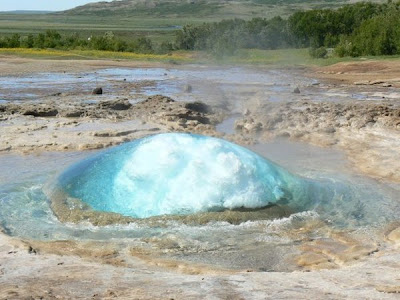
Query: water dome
{"x": 181, "y": 174}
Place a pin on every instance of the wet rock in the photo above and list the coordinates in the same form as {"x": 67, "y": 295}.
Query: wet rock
{"x": 113, "y": 133}
{"x": 72, "y": 113}
{"x": 362, "y": 82}
{"x": 326, "y": 253}
{"x": 97, "y": 91}
{"x": 374, "y": 82}
{"x": 115, "y": 105}
{"x": 39, "y": 111}
{"x": 157, "y": 100}
{"x": 394, "y": 236}
{"x": 329, "y": 130}
{"x": 190, "y": 115}
{"x": 198, "y": 107}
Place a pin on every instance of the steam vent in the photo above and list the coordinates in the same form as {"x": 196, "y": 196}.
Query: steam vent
{"x": 181, "y": 174}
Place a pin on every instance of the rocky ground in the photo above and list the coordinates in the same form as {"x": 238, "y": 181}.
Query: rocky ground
{"x": 368, "y": 132}
{"x": 62, "y": 126}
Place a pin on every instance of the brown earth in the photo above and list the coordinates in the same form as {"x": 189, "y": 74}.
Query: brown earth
{"x": 367, "y": 72}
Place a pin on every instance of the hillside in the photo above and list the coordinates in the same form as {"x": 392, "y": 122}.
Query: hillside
{"x": 214, "y": 9}
{"x": 156, "y": 19}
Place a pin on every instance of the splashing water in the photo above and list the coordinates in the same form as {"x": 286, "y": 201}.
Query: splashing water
{"x": 181, "y": 174}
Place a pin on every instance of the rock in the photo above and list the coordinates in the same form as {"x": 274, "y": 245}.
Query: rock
{"x": 376, "y": 82}
{"x": 362, "y": 82}
{"x": 97, "y": 91}
{"x": 329, "y": 130}
{"x": 198, "y": 107}
{"x": 296, "y": 90}
{"x": 246, "y": 112}
{"x": 72, "y": 113}
{"x": 115, "y": 105}
{"x": 386, "y": 84}
{"x": 40, "y": 111}
{"x": 189, "y": 115}
{"x": 394, "y": 236}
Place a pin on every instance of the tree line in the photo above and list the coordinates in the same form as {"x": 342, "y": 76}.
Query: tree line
{"x": 363, "y": 28}
{"x": 51, "y": 39}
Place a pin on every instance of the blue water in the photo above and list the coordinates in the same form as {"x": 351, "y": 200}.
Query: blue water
{"x": 328, "y": 196}
{"x": 180, "y": 174}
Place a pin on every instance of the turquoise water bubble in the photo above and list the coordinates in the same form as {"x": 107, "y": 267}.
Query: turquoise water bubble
{"x": 180, "y": 174}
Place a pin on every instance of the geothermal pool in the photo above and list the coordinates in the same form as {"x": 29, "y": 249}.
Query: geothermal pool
{"x": 222, "y": 221}
{"x": 211, "y": 202}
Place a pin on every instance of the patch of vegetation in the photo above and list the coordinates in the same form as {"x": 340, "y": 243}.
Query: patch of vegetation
{"x": 358, "y": 29}
{"x": 320, "y": 52}
{"x": 176, "y": 57}
{"x": 52, "y": 39}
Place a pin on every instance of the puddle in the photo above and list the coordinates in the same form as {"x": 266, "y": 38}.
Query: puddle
{"x": 228, "y": 125}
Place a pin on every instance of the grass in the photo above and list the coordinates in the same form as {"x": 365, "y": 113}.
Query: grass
{"x": 176, "y": 57}
{"x": 292, "y": 57}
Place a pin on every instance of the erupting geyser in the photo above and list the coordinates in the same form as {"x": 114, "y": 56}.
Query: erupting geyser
{"x": 180, "y": 174}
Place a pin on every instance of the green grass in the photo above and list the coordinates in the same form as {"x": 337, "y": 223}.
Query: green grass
{"x": 176, "y": 57}
{"x": 285, "y": 57}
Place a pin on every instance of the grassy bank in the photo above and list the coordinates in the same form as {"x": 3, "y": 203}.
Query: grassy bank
{"x": 281, "y": 57}
{"x": 176, "y": 57}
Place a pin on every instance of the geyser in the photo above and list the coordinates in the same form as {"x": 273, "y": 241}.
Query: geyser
{"x": 181, "y": 174}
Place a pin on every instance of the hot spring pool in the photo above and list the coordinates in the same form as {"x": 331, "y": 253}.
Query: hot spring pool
{"x": 182, "y": 174}
{"x": 192, "y": 197}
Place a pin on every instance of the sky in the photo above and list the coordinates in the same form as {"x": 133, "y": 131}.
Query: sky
{"x": 6, "y": 5}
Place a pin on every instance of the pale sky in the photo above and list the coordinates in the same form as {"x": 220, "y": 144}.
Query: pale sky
{"x": 41, "y": 4}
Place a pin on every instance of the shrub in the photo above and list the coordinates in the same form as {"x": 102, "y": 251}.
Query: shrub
{"x": 320, "y": 52}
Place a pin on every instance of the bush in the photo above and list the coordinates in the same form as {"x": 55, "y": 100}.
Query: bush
{"x": 377, "y": 36}
{"x": 320, "y": 52}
